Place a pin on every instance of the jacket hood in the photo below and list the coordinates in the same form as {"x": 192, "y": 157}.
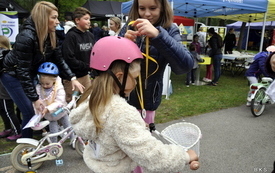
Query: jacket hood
{"x": 70, "y": 23}
{"x": 74, "y": 29}
{"x": 29, "y": 24}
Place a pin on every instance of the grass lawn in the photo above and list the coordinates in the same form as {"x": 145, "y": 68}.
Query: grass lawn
{"x": 230, "y": 92}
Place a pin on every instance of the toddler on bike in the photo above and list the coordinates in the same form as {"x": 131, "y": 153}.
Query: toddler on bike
{"x": 51, "y": 91}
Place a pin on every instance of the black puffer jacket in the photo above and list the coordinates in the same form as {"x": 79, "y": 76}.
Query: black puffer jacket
{"x": 24, "y": 59}
{"x": 165, "y": 48}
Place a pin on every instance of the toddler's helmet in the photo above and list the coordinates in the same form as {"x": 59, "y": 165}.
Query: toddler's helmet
{"x": 48, "y": 68}
{"x": 111, "y": 48}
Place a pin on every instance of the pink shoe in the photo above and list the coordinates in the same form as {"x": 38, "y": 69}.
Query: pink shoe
{"x": 13, "y": 137}
{"x": 5, "y": 133}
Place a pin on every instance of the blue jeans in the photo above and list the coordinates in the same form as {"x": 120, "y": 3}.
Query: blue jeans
{"x": 16, "y": 92}
{"x": 217, "y": 67}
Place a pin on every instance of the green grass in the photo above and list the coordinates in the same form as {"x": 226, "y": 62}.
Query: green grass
{"x": 230, "y": 92}
{"x": 195, "y": 100}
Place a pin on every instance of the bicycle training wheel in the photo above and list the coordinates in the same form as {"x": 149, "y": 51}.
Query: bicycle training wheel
{"x": 17, "y": 154}
{"x": 80, "y": 145}
{"x": 257, "y": 105}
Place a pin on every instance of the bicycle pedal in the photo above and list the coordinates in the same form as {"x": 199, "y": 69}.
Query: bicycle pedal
{"x": 59, "y": 162}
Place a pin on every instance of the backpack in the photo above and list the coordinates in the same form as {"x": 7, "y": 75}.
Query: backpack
{"x": 3, "y": 53}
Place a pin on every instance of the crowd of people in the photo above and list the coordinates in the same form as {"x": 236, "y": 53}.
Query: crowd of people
{"x": 120, "y": 88}
{"x": 43, "y": 67}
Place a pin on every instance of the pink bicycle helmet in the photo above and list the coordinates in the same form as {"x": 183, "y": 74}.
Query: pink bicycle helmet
{"x": 111, "y": 48}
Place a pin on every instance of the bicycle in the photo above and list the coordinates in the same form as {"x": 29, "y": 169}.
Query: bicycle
{"x": 259, "y": 98}
{"x": 30, "y": 154}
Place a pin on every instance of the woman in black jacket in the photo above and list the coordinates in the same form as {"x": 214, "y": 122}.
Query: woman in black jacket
{"x": 35, "y": 44}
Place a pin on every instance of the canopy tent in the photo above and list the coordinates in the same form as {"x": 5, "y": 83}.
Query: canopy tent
{"x": 254, "y": 25}
{"x": 185, "y": 21}
{"x": 10, "y": 5}
{"x": 103, "y": 9}
{"x": 209, "y": 8}
{"x": 254, "y": 17}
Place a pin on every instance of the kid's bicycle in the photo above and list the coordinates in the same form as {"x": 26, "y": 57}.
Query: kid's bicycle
{"x": 30, "y": 154}
{"x": 259, "y": 98}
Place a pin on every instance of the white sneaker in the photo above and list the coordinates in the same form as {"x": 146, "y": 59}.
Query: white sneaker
{"x": 41, "y": 125}
{"x": 248, "y": 104}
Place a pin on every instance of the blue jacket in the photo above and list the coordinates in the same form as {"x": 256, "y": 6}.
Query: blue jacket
{"x": 165, "y": 48}
{"x": 258, "y": 66}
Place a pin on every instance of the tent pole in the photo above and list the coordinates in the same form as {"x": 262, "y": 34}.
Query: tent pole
{"x": 263, "y": 32}
{"x": 247, "y": 36}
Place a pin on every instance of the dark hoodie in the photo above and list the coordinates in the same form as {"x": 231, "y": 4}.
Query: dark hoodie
{"x": 76, "y": 50}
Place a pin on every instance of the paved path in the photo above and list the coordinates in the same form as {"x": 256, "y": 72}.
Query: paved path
{"x": 233, "y": 141}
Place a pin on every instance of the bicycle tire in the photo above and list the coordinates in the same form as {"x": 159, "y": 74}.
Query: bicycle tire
{"x": 257, "y": 107}
{"x": 17, "y": 154}
{"x": 79, "y": 146}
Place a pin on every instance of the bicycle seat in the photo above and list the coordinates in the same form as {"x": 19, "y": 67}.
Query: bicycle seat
{"x": 267, "y": 79}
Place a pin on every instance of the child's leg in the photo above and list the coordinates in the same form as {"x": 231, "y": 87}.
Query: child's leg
{"x": 150, "y": 118}
{"x": 53, "y": 127}
{"x": 66, "y": 123}
{"x": 188, "y": 76}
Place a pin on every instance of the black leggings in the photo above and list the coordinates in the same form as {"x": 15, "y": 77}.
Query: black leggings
{"x": 8, "y": 115}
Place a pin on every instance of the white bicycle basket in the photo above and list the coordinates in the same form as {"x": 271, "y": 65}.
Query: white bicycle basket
{"x": 186, "y": 134}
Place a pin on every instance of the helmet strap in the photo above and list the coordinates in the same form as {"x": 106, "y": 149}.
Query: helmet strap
{"x": 123, "y": 84}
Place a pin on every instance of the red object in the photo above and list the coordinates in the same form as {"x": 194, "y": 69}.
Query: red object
{"x": 185, "y": 21}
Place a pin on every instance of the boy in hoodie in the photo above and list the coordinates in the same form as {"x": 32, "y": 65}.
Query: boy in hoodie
{"x": 76, "y": 49}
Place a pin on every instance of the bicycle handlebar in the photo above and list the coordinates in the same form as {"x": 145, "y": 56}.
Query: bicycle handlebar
{"x": 69, "y": 106}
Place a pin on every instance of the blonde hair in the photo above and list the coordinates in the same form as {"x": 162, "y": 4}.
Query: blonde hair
{"x": 40, "y": 16}
{"x": 166, "y": 13}
{"x": 103, "y": 88}
{"x": 4, "y": 42}
{"x": 117, "y": 21}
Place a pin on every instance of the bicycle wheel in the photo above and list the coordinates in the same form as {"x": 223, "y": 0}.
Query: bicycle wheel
{"x": 17, "y": 154}
{"x": 257, "y": 105}
{"x": 80, "y": 145}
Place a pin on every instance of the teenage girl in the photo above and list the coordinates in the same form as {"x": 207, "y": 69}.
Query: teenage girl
{"x": 118, "y": 137}
{"x": 154, "y": 19}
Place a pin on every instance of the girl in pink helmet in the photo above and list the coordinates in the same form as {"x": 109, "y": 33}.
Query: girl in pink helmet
{"x": 118, "y": 137}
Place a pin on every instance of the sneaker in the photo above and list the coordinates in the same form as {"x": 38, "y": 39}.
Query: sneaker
{"x": 41, "y": 125}
{"x": 13, "y": 137}
{"x": 5, "y": 133}
{"x": 193, "y": 83}
{"x": 187, "y": 85}
{"x": 248, "y": 104}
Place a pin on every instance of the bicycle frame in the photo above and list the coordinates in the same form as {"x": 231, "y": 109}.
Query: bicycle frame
{"x": 47, "y": 152}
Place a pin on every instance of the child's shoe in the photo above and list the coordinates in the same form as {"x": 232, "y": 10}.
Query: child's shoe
{"x": 13, "y": 137}
{"x": 5, "y": 133}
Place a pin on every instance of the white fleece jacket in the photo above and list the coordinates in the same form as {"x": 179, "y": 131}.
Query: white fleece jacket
{"x": 124, "y": 141}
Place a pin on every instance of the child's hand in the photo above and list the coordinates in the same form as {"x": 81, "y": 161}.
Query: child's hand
{"x": 194, "y": 164}
{"x": 44, "y": 112}
{"x": 144, "y": 27}
{"x": 39, "y": 105}
{"x": 78, "y": 85}
{"x": 132, "y": 35}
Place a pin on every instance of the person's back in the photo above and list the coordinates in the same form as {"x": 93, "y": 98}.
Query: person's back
{"x": 97, "y": 32}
